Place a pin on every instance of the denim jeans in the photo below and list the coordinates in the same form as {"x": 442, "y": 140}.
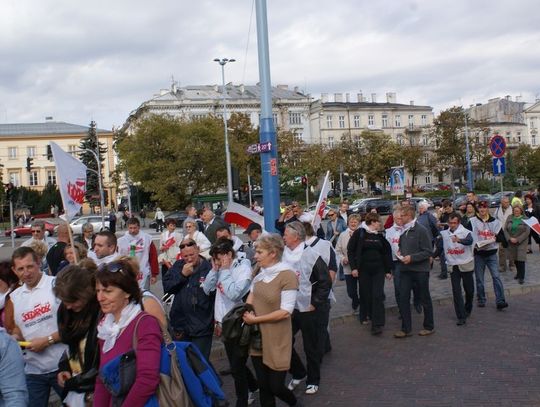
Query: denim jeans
{"x": 39, "y": 388}
{"x": 492, "y": 263}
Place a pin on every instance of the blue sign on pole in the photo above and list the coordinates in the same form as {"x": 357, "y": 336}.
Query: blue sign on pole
{"x": 499, "y": 166}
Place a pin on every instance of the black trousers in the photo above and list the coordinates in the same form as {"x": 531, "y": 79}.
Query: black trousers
{"x": 244, "y": 381}
{"x": 271, "y": 384}
{"x": 371, "y": 281}
{"x": 311, "y": 325}
{"x": 520, "y": 269}
{"x": 421, "y": 278}
{"x": 463, "y": 309}
{"x": 353, "y": 290}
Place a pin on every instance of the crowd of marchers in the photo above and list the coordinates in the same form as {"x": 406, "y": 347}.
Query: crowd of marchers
{"x": 72, "y": 311}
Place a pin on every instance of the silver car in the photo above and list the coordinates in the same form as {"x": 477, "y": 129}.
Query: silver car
{"x": 95, "y": 220}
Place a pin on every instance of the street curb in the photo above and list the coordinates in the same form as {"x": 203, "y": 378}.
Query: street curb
{"x": 218, "y": 350}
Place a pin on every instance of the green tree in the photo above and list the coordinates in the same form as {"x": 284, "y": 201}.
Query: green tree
{"x": 523, "y": 157}
{"x": 413, "y": 153}
{"x": 533, "y": 165}
{"x": 241, "y": 135}
{"x": 90, "y": 142}
{"x": 175, "y": 159}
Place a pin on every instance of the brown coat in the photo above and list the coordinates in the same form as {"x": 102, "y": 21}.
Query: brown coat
{"x": 276, "y": 336}
{"x": 516, "y": 251}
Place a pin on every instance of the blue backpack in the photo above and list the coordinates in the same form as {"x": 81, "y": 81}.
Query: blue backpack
{"x": 201, "y": 380}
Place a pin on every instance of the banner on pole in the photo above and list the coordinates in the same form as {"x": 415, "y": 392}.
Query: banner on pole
{"x": 71, "y": 176}
{"x": 397, "y": 181}
{"x": 321, "y": 203}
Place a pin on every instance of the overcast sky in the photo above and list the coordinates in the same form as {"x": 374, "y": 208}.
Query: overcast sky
{"x": 78, "y": 61}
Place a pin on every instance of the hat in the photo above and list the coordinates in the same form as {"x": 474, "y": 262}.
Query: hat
{"x": 253, "y": 226}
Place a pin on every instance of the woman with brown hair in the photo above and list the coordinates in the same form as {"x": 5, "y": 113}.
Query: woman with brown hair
{"x": 273, "y": 296}
{"x": 78, "y": 316}
{"x": 125, "y": 327}
{"x": 8, "y": 282}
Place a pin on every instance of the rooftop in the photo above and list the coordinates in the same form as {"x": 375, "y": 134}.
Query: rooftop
{"x": 48, "y": 127}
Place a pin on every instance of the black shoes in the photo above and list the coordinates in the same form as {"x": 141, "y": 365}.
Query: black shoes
{"x": 443, "y": 276}
{"x": 502, "y": 305}
{"x": 461, "y": 322}
{"x": 376, "y": 330}
{"x": 521, "y": 281}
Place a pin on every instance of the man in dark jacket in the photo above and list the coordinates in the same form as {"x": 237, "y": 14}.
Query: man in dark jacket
{"x": 192, "y": 311}
{"x": 415, "y": 250}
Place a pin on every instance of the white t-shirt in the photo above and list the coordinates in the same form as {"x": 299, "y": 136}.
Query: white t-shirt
{"x": 35, "y": 313}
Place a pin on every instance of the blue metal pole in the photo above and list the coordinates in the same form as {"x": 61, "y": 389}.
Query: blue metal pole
{"x": 470, "y": 184}
{"x": 269, "y": 161}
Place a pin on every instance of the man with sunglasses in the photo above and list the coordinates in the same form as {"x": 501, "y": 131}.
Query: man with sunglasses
{"x": 38, "y": 234}
{"x": 138, "y": 244}
{"x": 192, "y": 311}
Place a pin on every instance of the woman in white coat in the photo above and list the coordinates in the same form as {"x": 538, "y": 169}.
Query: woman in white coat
{"x": 202, "y": 241}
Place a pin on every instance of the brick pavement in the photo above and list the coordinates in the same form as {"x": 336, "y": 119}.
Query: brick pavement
{"x": 494, "y": 360}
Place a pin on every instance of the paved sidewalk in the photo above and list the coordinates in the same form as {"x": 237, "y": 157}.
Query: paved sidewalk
{"x": 494, "y": 360}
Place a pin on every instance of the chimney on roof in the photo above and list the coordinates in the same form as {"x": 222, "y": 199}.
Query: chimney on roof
{"x": 324, "y": 97}
{"x": 283, "y": 87}
{"x": 338, "y": 97}
{"x": 49, "y": 119}
{"x": 296, "y": 89}
{"x": 242, "y": 88}
{"x": 347, "y": 97}
{"x": 390, "y": 97}
{"x": 216, "y": 88}
{"x": 360, "y": 97}
{"x": 373, "y": 98}
{"x": 411, "y": 102}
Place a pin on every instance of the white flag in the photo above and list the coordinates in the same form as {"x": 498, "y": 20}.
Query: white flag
{"x": 532, "y": 222}
{"x": 71, "y": 175}
{"x": 321, "y": 204}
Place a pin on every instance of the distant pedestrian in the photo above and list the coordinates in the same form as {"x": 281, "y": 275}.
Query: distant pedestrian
{"x": 159, "y": 217}
{"x": 142, "y": 215}
{"x": 517, "y": 234}
{"x": 112, "y": 221}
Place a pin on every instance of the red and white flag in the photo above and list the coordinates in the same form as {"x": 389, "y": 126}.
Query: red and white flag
{"x": 242, "y": 216}
{"x": 71, "y": 175}
{"x": 532, "y": 222}
{"x": 321, "y": 203}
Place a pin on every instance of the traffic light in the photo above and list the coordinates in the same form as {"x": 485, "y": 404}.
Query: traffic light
{"x": 9, "y": 191}
{"x": 49, "y": 152}
{"x": 29, "y": 163}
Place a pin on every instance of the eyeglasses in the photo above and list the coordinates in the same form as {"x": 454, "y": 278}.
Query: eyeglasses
{"x": 36, "y": 231}
{"x": 113, "y": 267}
{"x": 331, "y": 214}
{"x": 189, "y": 244}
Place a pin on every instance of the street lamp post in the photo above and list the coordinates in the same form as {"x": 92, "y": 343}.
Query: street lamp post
{"x": 222, "y": 62}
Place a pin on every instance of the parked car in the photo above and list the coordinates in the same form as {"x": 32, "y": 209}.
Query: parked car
{"x": 382, "y": 206}
{"x": 178, "y": 216}
{"x": 26, "y": 230}
{"x": 495, "y": 199}
{"x": 356, "y": 203}
{"x": 95, "y": 220}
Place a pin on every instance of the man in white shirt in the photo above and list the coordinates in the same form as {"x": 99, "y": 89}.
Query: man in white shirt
{"x": 38, "y": 233}
{"x": 35, "y": 321}
{"x": 501, "y": 214}
{"x": 138, "y": 244}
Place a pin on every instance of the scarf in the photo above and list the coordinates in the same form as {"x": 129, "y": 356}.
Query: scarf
{"x": 292, "y": 257}
{"x": 407, "y": 226}
{"x": 109, "y": 330}
{"x": 74, "y": 326}
{"x": 268, "y": 274}
{"x": 516, "y": 220}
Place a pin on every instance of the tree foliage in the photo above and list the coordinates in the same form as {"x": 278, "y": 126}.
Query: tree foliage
{"x": 175, "y": 159}
{"x": 90, "y": 142}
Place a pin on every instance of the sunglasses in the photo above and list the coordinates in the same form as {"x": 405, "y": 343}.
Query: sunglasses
{"x": 113, "y": 267}
{"x": 36, "y": 231}
{"x": 189, "y": 244}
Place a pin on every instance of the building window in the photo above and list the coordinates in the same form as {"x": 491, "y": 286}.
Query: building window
{"x": 533, "y": 140}
{"x": 385, "y": 120}
{"x": 14, "y": 179}
{"x": 425, "y": 140}
{"x": 31, "y": 151}
{"x": 398, "y": 120}
{"x": 533, "y": 122}
{"x": 424, "y": 120}
{"x": 357, "y": 140}
{"x": 198, "y": 116}
{"x": 331, "y": 142}
{"x": 329, "y": 121}
{"x": 371, "y": 120}
{"x": 357, "y": 121}
{"x": 411, "y": 121}
{"x": 399, "y": 139}
{"x": 12, "y": 153}
{"x": 72, "y": 148}
{"x": 426, "y": 160}
{"x": 33, "y": 179}
{"x": 274, "y": 119}
{"x": 51, "y": 177}
{"x": 341, "y": 122}
{"x": 428, "y": 178}
{"x": 295, "y": 118}
{"x": 518, "y": 134}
